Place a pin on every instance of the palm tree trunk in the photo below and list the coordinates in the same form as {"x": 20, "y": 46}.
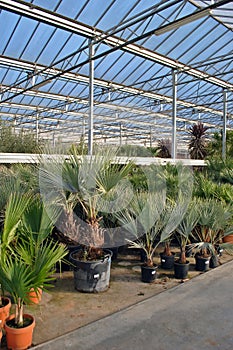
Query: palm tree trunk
{"x": 19, "y": 313}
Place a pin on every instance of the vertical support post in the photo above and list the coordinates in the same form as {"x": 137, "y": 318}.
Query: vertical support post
{"x": 54, "y": 142}
{"x": 37, "y": 127}
{"x": 174, "y": 111}
{"x": 150, "y": 137}
{"x": 120, "y": 134}
{"x": 224, "y": 128}
{"x": 91, "y": 97}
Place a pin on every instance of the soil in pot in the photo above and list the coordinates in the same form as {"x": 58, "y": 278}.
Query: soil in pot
{"x": 5, "y": 310}
{"x": 148, "y": 273}
{"x": 167, "y": 261}
{"x": 19, "y": 338}
{"x": 92, "y": 275}
{"x": 202, "y": 263}
{"x": 181, "y": 270}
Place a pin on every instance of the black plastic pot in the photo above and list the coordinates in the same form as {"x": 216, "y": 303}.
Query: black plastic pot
{"x": 167, "y": 261}
{"x": 114, "y": 251}
{"x": 181, "y": 270}
{"x": 148, "y": 274}
{"x": 214, "y": 261}
{"x": 91, "y": 276}
{"x": 202, "y": 263}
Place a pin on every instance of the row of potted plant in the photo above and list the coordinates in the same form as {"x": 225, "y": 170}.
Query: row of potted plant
{"x": 87, "y": 199}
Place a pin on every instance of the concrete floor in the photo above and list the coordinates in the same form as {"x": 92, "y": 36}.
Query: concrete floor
{"x": 195, "y": 315}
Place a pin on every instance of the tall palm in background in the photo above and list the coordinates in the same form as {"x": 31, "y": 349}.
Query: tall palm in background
{"x": 198, "y": 143}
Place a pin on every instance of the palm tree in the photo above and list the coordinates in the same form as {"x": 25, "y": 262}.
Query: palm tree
{"x": 213, "y": 223}
{"x": 185, "y": 228}
{"x": 84, "y": 188}
{"x": 150, "y": 221}
{"x": 198, "y": 144}
{"x": 28, "y": 257}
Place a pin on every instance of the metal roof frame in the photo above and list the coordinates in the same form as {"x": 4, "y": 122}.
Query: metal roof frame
{"x": 46, "y": 74}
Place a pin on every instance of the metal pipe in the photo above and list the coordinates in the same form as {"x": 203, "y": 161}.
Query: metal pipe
{"x": 224, "y": 128}
{"x": 91, "y": 97}
{"x": 174, "y": 110}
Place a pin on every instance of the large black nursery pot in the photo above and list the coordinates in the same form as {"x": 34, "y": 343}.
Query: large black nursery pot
{"x": 167, "y": 261}
{"x": 181, "y": 270}
{"x": 202, "y": 263}
{"x": 148, "y": 273}
{"x": 91, "y": 276}
{"x": 214, "y": 261}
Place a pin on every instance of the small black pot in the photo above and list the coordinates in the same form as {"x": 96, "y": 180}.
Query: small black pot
{"x": 181, "y": 270}
{"x": 167, "y": 261}
{"x": 148, "y": 273}
{"x": 202, "y": 264}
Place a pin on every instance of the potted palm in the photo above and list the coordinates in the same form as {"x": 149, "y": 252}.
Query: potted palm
{"x": 208, "y": 233}
{"x": 167, "y": 257}
{"x": 11, "y": 213}
{"x": 150, "y": 221}
{"x": 183, "y": 234}
{"x": 25, "y": 265}
{"x": 85, "y": 188}
{"x": 18, "y": 278}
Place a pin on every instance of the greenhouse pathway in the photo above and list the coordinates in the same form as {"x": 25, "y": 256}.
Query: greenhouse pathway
{"x": 195, "y": 315}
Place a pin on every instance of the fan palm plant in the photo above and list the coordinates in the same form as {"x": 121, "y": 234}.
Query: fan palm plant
{"x": 24, "y": 247}
{"x": 85, "y": 188}
{"x": 213, "y": 223}
{"x": 151, "y": 221}
{"x": 185, "y": 228}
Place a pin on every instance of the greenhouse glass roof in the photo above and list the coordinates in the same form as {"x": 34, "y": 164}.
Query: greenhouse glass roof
{"x": 130, "y": 71}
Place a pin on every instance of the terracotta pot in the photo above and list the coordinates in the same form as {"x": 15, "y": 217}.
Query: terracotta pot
{"x": 228, "y": 239}
{"x": 19, "y": 338}
{"x": 5, "y": 310}
{"x": 34, "y": 297}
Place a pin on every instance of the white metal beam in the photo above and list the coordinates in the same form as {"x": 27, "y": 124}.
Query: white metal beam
{"x": 97, "y": 82}
{"x": 65, "y": 23}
